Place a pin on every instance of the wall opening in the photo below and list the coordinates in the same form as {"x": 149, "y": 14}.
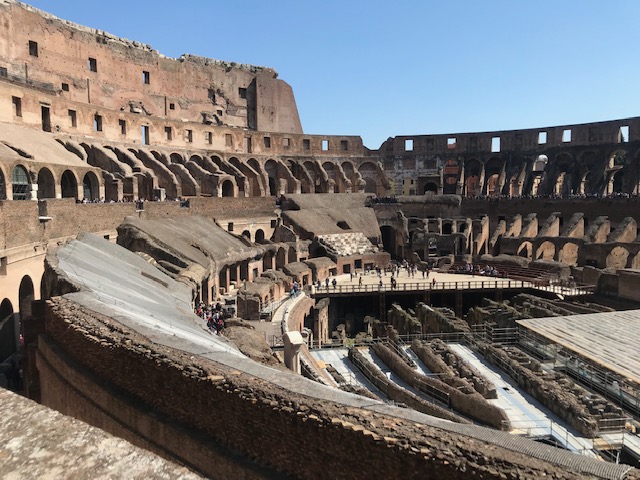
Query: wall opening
{"x": 542, "y": 138}
{"x": 46, "y": 118}
{"x": 495, "y": 144}
{"x": 623, "y": 134}
{"x": 123, "y": 126}
{"x": 33, "y": 48}
{"x": 93, "y": 64}
{"x": 325, "y": 145}
{"x": 145, "y": 134}
{"x": 17, "y": 106}
{"x": 566, "y": 135}
{"x": 408, "y": 145}
{"x": 73, "y": 118}
{"x": 97, "y": 123}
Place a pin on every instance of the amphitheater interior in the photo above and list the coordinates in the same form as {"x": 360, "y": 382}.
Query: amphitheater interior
{"x": 192, "y": 286}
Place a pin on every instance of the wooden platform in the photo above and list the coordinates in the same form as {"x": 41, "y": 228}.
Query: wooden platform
{"x": 611, "y": 340}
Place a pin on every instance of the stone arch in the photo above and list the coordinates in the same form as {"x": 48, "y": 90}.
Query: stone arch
{"x": 525, "y": 250}
{"x": 447, "y": 228}
{"x": 69, "y": 185}
{"x": 569, "y": 254}
{"x": 540, "y": 163}
{"x": 3, "y": 185}
{"x": 6, "y": 309}
{"x": 430, "y": 188}
{"x": 227, "y": 188}
{"x": 26, "y": 295}
{"x": 90, "y": 186}
{"x": 176, "y": 158}
{"x": 46, "y": 184}
{"x": 271, "y": 167}
{"x": 292, "y": 255}
{"x": 616, "y": 182}
{"x": 259, "y": 236}
{"x": 617, "y": 258}
{"x": 281, "y": 258}
{"x": 369, "y": 174}
{"x": 267, "y": 260}
{"x": 618, "y": 158}
{"x": 246, "y": 234}
{"x": 546, "y": 251}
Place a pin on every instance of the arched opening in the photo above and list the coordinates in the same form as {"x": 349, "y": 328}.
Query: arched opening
{"x": 25, "y": 296}
{"x": 69, "y": 185}
{"x": 3, "y": 186}
{"x": 546, "y": 251}
{"x": 473, "y": 186}
{"x": 227, "y": 188}
{"x": 273, "y": 189}
{"x": 20, "y": 183}
{"x": 259, "y": 236}
{"x": 526, "y": 250}
{"x": 176, "y": 158}
{"x": 90, "y": 186}
{"x": 569, "y": 254}
{"x": 617, "y": 182}
{"x": 46, "y": 184}
{"x": 617, "y": 258}
{"x": 540, "y": 164}
{"x": 370, "y": 186}
{"x": 368, "y": 172}
{"x": 447, "y": 228}
{"x": 267, "y": 261}
{"x": 246, "y": 234}
{"x": 6, "y": 309}
{"x": 430, "y": 189}
{"x": 292, "y": 256}
{"x": 492, "y": 185}
{"x": 272, "y": 173}
{"x": 389, "y": 241}
{"x": 280, "y": 258}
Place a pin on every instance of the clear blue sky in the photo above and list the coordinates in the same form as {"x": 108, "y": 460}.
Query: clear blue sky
{"x": 379, "y": 69}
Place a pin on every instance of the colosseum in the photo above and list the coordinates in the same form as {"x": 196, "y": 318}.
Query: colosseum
{"x": 192, "y": 286}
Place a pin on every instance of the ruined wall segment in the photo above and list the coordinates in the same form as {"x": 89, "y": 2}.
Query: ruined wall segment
{"x": 91, "y": 66}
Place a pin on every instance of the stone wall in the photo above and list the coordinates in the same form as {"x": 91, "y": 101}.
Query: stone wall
{"x": 469, "y": 404}
{"x": 226, "y": 423}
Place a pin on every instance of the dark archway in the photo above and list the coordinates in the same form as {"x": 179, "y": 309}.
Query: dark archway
{"x": 46, "y": 184}
{"x": 90, "y": 186}
{"x": 259, "y": 236}
{"x": 446, "y": 228}
{"x": 6, "y": 309}
{"x": 389, "y": 241}
{"x": 25, "y": 296}
{"x": 293, "y": 255}
{"x": 430, "y": 188}
{"x": 227, "y": 188}
{"x": 280, "y": 258}
{"x": 3, "y": 186}
{"x": 69, "y": 185}
{"x": 246, "y": 234}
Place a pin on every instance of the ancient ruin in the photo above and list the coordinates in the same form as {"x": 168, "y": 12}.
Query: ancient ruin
{"x": 184, "y": 267}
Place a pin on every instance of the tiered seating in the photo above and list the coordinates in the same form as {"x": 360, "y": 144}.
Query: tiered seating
{"x": 515, "y": 272}
{"x": 345, "y": 244}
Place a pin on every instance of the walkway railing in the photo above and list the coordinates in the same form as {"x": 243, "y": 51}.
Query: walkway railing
{"x": 567, "y": 290}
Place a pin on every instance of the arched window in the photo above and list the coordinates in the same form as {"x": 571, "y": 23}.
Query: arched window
{"x": 69, "y": 185}
{"x": 20, "y": 183}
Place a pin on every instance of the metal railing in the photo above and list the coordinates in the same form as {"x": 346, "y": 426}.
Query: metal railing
{"x": 401, "y": 287}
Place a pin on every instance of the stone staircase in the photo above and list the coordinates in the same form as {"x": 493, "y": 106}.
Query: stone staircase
{"x": 345, "y": 244}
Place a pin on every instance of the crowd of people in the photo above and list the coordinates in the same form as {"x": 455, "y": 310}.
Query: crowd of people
{"x": 213, "y": 315}
{"x": 483, "y": 270}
